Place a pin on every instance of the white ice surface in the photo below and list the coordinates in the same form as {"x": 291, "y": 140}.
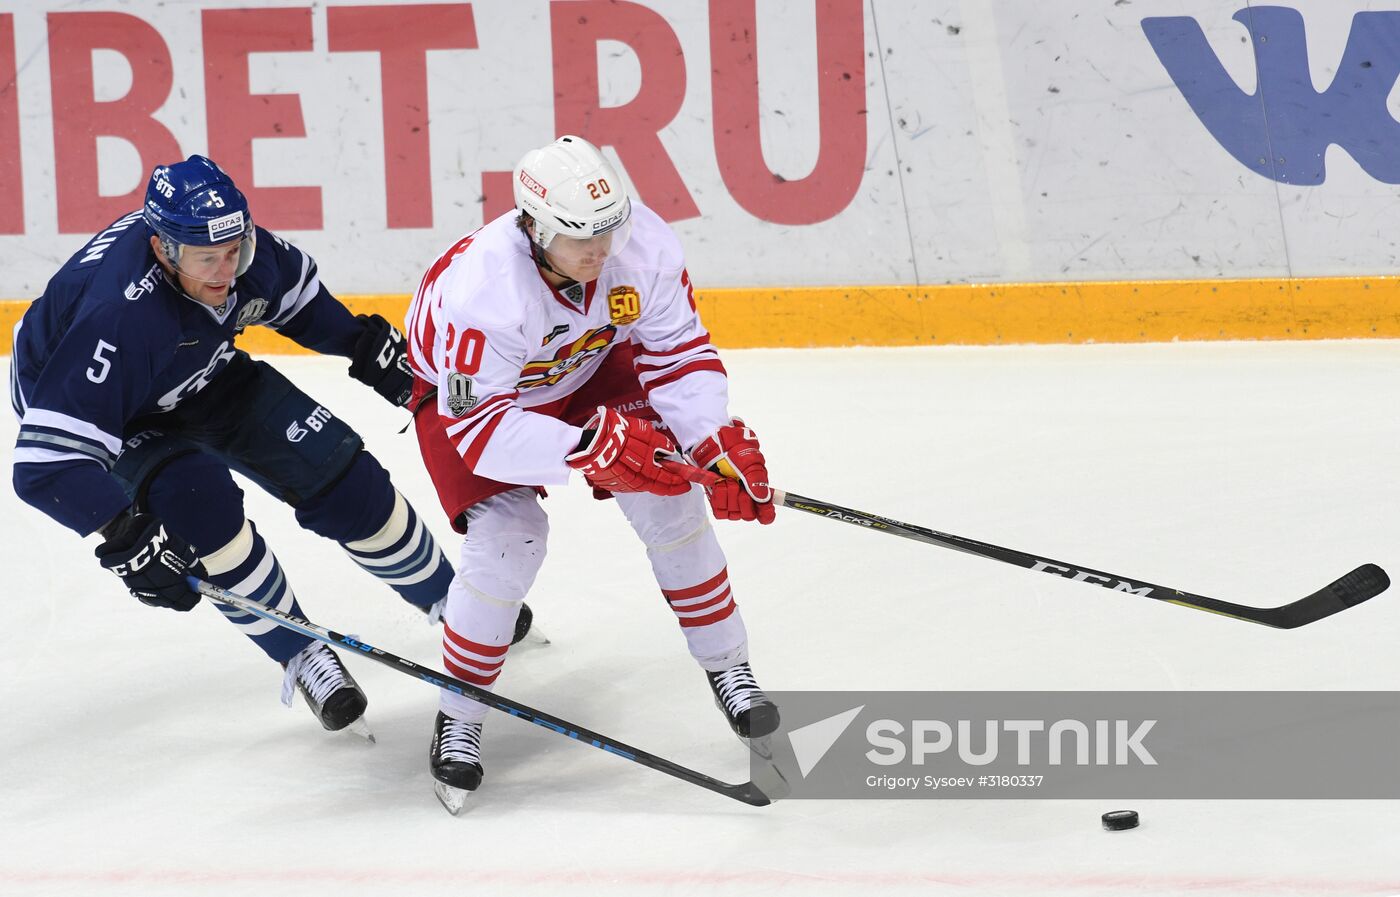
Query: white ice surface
{"x": 143, "y": 752}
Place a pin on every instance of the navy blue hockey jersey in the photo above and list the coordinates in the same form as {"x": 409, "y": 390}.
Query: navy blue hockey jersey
{"x": 111, "y": 340}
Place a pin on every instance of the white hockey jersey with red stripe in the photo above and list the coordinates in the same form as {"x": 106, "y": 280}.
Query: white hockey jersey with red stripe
{"x": 497, "y": 340}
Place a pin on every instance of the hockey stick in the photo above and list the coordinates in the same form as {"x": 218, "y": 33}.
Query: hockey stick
{"x": 746, "y": 792}
{"x": 1361, "y": 584}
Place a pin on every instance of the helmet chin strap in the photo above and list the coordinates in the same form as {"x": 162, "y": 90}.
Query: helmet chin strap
{"x": 538, "y": 254}
{"x": 174, "y": 281}
{"x": 172, "y": 277}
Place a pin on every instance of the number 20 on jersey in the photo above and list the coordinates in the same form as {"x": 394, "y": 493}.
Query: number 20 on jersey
{"x": 466, "y": 358}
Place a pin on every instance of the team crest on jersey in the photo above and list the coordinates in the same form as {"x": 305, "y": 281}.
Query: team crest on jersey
{"x": 459, "y": 394}
{"x": 624, "y": 305}
{"x": 197, "y": 381}
{"x": 250, "y": 314}
{"x": 569, "y": 358}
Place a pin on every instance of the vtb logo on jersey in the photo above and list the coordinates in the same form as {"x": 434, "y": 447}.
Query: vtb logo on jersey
{"x": 569, "y": 358}
{"x": 624, "y": 305}
{"x": 147, "y": 284}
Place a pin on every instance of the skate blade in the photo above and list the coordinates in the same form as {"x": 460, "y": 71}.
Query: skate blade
{"x": 534, "y": 637}
{"x": 769, "y": 779}
{"x": 452, "y": 799}
{"x": 763, "y": 747}
{"x": 361, "y": 728}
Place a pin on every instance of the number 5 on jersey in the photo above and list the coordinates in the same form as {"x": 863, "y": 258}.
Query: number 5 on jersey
{"x": 98, "y": 374}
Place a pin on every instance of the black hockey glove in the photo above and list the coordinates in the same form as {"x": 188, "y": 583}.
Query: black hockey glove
{"x": 381, "y": 360}
{"x": 151, "y": 560}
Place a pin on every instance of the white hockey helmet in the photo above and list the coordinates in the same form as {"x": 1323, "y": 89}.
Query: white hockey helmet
{"x": 571, "y": 190}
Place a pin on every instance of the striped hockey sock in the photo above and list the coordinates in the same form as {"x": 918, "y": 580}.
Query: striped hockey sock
{"x": 246, "y": 566}
{"x": 404, "y": 556}
{"x": 475, "y": 662}
{"x": 477, "y": 659}
{"x": 710, "y": 620}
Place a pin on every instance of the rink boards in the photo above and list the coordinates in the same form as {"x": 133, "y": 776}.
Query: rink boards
{"x": 994, "y": 314}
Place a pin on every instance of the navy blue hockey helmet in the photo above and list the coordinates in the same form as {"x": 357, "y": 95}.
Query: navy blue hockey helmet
{"x": 194, "y": 203}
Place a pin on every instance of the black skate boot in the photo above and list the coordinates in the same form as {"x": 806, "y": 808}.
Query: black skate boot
{"x": 745, "y": 706}
{"x": 455, "y": 760}
{"x": 329, "y": 689}
{"x": 523, "y": 622}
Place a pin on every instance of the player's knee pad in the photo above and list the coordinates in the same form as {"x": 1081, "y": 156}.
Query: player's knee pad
{"x": 404, "y": 556}
{"x": 394, "y": 529}
{"x": 231, "y": 554}
{"x": 354, "y": 507}
{"x": 666, "y": 522}
{"x": 504, "y": 547}
{"x": 196, "y": 497}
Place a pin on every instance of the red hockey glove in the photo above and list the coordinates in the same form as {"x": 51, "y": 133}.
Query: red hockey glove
{"x": 619, "y": 454}
{"x": 732, "y": 451}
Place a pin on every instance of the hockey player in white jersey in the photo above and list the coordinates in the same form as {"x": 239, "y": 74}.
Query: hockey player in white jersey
{"x": 562, "y": 337}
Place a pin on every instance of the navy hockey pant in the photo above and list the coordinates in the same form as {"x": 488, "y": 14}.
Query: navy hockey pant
{"x": 253, "y": 420}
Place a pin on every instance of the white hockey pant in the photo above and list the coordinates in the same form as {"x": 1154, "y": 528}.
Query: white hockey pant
{"x": 502, "y": 553}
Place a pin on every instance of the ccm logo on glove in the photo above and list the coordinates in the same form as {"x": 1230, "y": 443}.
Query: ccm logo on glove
{"x": 152, "y": 550}
{"x": 380, "y": 360}
{"x": 151, "y": 561}
{"x": 732, "y": 451}
{"x": 619, "y": 454}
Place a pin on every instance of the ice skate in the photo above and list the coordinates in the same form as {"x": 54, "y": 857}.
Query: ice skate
{"x": 524, "y": 623}
{"x": 754, "y": 718}
{"x": 749, "y": 712}
{"x": 525, "y": 626}
{"x": 329, "y": 689}
{"x": 455, "y": 760}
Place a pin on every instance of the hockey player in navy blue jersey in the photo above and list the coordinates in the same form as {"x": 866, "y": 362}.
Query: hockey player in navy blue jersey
{"x": 135, "y": 405}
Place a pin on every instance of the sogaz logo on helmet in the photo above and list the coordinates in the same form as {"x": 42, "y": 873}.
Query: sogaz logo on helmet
{"x": 610, "y": 222}
{"x": 223, "y": 228}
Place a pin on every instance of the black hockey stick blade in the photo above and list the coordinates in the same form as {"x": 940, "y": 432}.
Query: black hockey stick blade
{"x": 745, "y": 792}
{"x": 1361, "y": 584}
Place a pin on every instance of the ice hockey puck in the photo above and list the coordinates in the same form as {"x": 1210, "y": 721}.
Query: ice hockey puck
{"x": 1120, "y": 820}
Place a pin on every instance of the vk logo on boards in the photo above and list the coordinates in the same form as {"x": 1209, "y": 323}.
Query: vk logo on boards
{"x": 1282, "y": 129}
